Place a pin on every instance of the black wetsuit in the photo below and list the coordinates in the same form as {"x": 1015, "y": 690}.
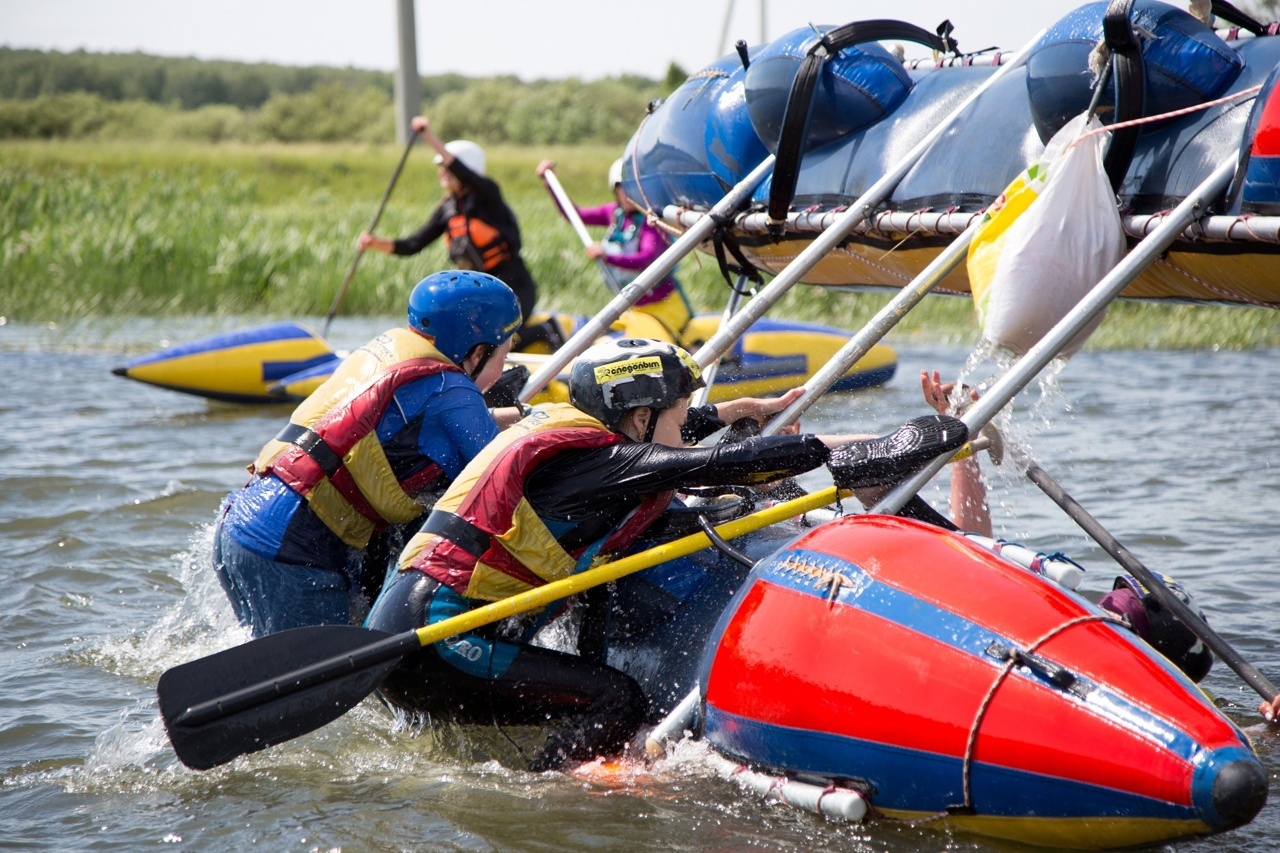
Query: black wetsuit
{"x": 482, "y": 202}
{"x": 487, "y": 676}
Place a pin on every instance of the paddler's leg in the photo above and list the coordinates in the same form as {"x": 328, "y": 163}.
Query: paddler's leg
{"x": 480, "y": 679}
{"x": 270, "y": 596}
{"x": 236, "y": 593}
{"x": 544, "y": 332}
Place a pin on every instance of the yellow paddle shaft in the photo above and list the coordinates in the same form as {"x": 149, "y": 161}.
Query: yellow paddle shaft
{"x": 611, "y": 571}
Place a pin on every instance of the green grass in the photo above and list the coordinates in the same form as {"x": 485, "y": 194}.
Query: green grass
{"x": 89, "y": 230}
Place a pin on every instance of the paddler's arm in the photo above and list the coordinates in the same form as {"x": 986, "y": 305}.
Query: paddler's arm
{"x": 759, "y": 409}
{"x": 430, "y": 231}
{"x": 969, "y": 508}
{"x": 508, "y": 415}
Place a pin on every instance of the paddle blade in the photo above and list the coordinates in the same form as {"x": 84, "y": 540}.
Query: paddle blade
{"x": 271, "y": 690}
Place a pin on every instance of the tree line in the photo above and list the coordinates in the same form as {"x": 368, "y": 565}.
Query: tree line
{"x": 106, "y": 96}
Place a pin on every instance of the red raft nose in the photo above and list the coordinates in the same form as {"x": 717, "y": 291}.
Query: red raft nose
{"x": 944, "y": 680}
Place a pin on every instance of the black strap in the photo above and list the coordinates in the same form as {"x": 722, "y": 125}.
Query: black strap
{"x": 722, "y": 239}
{"x": 1131, "y": 88}
{"x": 1232, "y": 15}
{"x": 457, "y": 530}
{"x": 313, "y": 445}
{"x": 795, "y": 119}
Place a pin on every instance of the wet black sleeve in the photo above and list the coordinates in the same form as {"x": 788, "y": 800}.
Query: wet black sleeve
{"x": 578, "y": 483}
{"x": 702, "y": 422}
{"x": 431, "y": 231}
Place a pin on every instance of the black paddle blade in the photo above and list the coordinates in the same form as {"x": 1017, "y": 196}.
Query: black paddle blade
{"x": 273, "y": 689}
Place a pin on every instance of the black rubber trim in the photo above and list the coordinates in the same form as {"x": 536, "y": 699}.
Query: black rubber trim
{"x": 313, "y": 445}
{"x": 459, "y": 531}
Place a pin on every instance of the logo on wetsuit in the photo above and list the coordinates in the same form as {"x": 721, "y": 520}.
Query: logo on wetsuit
{"x": 465, "y": 648}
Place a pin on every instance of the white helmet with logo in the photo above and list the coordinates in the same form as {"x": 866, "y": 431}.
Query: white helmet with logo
{"x": 471, "y": 155}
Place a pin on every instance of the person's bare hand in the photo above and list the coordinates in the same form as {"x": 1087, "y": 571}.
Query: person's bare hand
{"x": 545, "y": 166}
{"x": 595, "y": 251}
{"x": 938, "y": 393}
{"x": 420, "y": 125}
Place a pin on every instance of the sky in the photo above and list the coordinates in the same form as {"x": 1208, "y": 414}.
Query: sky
{"x": 529, "y": 38}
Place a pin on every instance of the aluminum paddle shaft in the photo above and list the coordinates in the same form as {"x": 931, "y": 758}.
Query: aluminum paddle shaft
{"x": 1103, "y": 293}
{"x": 646, "y": 281}
{"x": 843, "y": 225}
{"x": 570, "y": 211}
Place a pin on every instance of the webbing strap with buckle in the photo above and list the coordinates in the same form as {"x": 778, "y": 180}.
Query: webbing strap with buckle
{"x": 1129, "y": 75}
{"x": 793, "y": 136}
{"x": 457, "y": 530}
{"x": 310, "y": 442}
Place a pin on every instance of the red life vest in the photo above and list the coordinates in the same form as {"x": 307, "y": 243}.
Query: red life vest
{"x": 330, "y": 453}
{"x": 483, "y": 539}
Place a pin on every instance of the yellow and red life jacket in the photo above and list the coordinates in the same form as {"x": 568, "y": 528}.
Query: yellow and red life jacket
{"x": 483, "y": 538}
{"x": 330, "y": 453}
{"x": 476, "y": 245}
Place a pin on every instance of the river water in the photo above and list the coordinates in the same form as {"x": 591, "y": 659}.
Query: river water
{"x": 107, "y": 493}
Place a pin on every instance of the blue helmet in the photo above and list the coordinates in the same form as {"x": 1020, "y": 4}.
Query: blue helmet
{"x": 461, "y": 308}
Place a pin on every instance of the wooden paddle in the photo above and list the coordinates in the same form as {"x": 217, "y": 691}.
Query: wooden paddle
{"x": 273, "y": 689}
{"x": 346, "y": 282}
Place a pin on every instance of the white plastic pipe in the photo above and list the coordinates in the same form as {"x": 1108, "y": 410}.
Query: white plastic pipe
{"x": 838, "y": 803}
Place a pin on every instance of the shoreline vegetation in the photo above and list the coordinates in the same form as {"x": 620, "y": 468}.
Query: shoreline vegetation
{"x": 134, "y": 185}
{"x": 100, "y": 229}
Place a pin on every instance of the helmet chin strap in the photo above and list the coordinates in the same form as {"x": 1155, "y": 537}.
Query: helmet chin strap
{"x": 489, "y": 350}
{"x": 652, "y": 427}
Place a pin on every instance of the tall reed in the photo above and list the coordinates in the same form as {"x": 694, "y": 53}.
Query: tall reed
{"x": 89, "y": 230}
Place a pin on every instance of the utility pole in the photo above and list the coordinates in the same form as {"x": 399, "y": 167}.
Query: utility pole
{"x": 408, "y": 85}
{"x": 728, "y": 16}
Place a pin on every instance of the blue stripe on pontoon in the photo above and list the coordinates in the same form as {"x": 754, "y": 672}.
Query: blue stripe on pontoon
{"x": 927, "y": 619}
{"x": 321, "y": 365}
{"x": 246, "y": 337}
{"x": 916, "y": 780}
{"x": 764, "y": 367}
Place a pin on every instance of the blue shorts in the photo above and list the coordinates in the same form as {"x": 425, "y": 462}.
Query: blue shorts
{"x": 270, "y": 596}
